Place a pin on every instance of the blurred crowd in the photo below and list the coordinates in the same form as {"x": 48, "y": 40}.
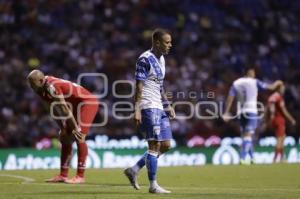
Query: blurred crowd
{"x": 212, "y": 41}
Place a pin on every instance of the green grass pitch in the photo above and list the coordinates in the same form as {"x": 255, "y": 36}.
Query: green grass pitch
{"x": 211, "y": 182}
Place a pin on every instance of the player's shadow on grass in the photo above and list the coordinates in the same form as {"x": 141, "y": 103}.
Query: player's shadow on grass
{"x": 105, "y": 184}
{"x": 113, "y": 184}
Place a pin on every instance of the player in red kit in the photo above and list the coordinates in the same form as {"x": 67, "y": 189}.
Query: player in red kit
{"x": 74, "y": 109}
{"x": 277, "y": 116}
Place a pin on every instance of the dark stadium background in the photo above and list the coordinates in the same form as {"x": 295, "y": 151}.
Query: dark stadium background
{"x": 212, "y": 41}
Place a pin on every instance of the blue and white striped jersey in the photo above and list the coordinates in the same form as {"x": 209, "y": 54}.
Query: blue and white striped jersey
{"x": 246, "y": 89}
{"x": 151, "y": 70}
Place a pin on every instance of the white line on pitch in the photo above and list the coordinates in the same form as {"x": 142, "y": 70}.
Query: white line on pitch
{"x": 25, "y": 179}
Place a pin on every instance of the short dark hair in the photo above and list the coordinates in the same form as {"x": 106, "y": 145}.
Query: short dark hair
{"x": 158, "y": 33}
{"x": 247, "y": 68}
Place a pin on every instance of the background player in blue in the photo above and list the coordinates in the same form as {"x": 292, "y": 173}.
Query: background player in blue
{"x": 245, "y": 89}
{"x": 150, "y": 115}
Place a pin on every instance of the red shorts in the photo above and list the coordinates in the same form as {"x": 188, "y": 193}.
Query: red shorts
{"x": 84, "y": 114}
{"x": 279, "y": 128}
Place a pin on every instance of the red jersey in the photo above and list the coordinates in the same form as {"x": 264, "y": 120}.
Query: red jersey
{"x": 72, "y": 92}
{"x": 277, "y": 99}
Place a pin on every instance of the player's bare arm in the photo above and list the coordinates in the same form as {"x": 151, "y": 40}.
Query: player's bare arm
{"x": 274, "y": 85}
{"x": 169, "y": 109}
{"x": 62, "y": 108}
{"x": 226, "y": 116}
{"x": 57, "y": 113}
{"x": 137, "y": 100}
{"x": 272, "y": 109}
{"x": 287, "y": 114}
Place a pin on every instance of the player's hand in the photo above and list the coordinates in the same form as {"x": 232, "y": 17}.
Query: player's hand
{"x": 171, "y": 112}
{"x": 226, "y": 117}
{"x": 279, "y": 82}
{"x": 137, "y": 117}
{"x": 79, "y": 136}
{"x": 263, "y": 127}
{"x": 293, "y": 122}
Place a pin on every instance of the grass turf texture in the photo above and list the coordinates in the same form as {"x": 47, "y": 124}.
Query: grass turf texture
{"x": 212, "y": 182}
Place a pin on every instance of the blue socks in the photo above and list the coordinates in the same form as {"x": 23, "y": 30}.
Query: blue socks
{"x": 251, "y": 150}
{"x": 151, "y": 163}
{"x": 247, "y": 148}
{"x": 141, "y": 163}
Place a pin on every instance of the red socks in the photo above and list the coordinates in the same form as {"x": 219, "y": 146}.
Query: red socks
{"x": 66, "y": 155}
{"x": 65, "y": 159}
{"x": 278, "y": 152}
{"x": 82, "y": 152}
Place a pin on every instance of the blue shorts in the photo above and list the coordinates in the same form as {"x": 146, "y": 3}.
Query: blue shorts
{"x": 248, "y": 122}
{"x": 156, "y": 125}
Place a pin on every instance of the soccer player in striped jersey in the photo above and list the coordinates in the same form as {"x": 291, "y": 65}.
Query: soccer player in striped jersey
{"x": 245, "y": 90}
{"x": 150, "y": 115}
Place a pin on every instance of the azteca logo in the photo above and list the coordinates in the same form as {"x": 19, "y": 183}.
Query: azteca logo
{"x": 92, "y": 161}
{"x": 225, "y": 155}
